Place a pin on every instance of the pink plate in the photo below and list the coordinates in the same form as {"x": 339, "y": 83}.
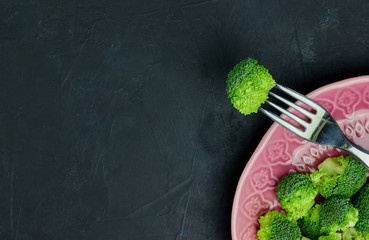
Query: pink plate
{"x": 280, "y": 152}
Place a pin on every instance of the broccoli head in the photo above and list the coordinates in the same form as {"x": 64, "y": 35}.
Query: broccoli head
{"x": 296, "y": 194}
{"x": 341, "y": 176}
{"x": 309, "y": 224}
{"x": 337, "y": 214}
{"x": 332, "y": 236}
{"x": 277, "y": 226}
{"x": 248, "y": 84}
{"x": 361, "y": 202}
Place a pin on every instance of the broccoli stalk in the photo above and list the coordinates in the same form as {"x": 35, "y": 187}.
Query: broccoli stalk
{"x": 348, "y": 234}
{"x": 296, "y": 194}
{"x": 332, "y": 236}
{"x": 351, "y": 233}
{"x": 275, "y": 225}
{"x": 361, "y": 202}
{"x": 248, "y": 84}
{"x": 341, "y": 176}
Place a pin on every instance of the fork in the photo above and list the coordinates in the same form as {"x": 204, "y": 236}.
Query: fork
{"x": 321, "y": 128}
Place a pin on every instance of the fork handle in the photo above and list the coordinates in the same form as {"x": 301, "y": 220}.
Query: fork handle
{"x": 357, "y": 152}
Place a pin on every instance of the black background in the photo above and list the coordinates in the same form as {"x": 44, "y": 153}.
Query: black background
{"x": 114, "y": 119}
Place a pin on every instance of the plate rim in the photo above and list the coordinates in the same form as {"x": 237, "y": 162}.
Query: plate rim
{"x": 269, "y": 133}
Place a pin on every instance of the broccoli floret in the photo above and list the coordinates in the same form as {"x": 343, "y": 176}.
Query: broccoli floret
{"x": 305, "y": 238}
{"x": 248, "y": 84}
{"x": 361, "y": 202}
{"x": 332, "y": 236}
{"x": 341, "y": 176}
{"x": 351, "y": 233}
{"x": 296, "y": 194}
{"x": 277, "y": 226}
{"x": 309, "y": 224}
{"x": 337, "y": 214}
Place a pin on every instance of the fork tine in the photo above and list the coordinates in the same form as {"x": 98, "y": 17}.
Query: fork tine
{"x": 283, "y": 122}
{"x": 293, "y": 105}
{"x": 300, "y": 97}
{"x": 288, "y": 114}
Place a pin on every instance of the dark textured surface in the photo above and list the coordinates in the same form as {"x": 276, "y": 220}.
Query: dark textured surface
{"x": 114, "y": 120}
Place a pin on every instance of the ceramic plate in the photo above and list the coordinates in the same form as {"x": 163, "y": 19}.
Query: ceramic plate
{"x": 280, "y": 152}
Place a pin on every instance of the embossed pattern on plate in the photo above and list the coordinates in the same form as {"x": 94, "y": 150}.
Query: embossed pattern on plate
{"x": 280, "y": 152}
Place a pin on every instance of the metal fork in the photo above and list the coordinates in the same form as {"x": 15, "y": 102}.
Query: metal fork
{"x": 321, "y": 129}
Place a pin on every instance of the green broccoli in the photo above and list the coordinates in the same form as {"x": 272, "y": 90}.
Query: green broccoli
{"x": 309, "y": 224}
{"x": 296, "y": 194}
{"x": 348, "y": 234}
{"x": 351, "y": 233}
{"x": 332, "y": 236}
{"x": 361, "y": 202}
{"x": 337, "y": 214}
{"x": 248, "y": 84}
{"x": 341, "y": 176}
{"x": 277, "y": 226}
